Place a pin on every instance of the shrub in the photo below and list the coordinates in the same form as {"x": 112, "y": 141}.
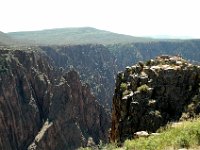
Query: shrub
{"x": 148, "y": 63}
{"x": 184, "y": 136}
{"x": 183, "y": 142}
{"x": 187, "y": 135}
{"x": 126, "y": 92}
{"x": 123, "y": 86}
{"x": 143, "y": 88}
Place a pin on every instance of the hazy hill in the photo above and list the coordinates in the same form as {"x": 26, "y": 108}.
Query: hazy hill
{"x": 84, "y": 35}
{"x": 6, "y": 39}
{"x": 9, "y": 41}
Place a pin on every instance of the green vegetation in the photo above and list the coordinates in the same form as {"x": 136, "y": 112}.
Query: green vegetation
{"x": 185, "y": 134}
{"x": 124, "y": 89}
{"x": 126, "y": 92}
{"x": 148, "y": 63}
{"x": 84, "y": 35}
{"x": 192, "y": 109}
{"x": 143, "y": 88}
{"x": 123, "y": 86}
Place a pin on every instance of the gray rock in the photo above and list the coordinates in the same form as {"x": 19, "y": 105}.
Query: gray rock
{"x": 161, "y": 93}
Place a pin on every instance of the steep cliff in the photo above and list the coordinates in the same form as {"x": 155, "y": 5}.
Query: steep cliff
{"x": 43, "y": 107}
{"x": 98, "y": 64}
{"x": 95, "y": 64}
{"x": 128, "y": 54}
{"x": 148, "y": 96}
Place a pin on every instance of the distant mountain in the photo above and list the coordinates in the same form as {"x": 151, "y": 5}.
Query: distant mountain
{"x": 6, "y": 39}
{"x": 84, "y": 35}
{"x": 171, "y": 37}
{"x": 9, "y": 41}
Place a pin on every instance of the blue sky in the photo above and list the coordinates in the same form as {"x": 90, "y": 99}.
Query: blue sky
{"x": 177, "y": 18}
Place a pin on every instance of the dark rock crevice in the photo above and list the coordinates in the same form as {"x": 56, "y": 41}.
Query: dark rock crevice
{"x": 45, "y": 108}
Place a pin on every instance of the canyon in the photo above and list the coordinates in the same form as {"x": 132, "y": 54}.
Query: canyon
{"x": 59, "y": 96}
{"x": 44, "y": 108}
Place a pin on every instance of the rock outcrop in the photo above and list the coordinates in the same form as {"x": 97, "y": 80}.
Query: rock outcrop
{"x": 148, "y": 96}
{"x": 43, "y": 107}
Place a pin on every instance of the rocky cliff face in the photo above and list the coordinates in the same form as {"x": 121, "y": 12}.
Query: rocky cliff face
{"x": 95, "y": 64}
{"x": 128, "y": 54}
{"x": 148, "y": 96}
{"x": 37, "y": 76}
{"x": 45, "y": 108}
{"x": 98, "y": 64}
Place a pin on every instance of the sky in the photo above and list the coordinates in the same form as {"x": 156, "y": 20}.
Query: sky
{"x": 175, "y": 18}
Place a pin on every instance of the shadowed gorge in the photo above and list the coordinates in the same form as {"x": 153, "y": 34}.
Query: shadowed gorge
{"x": 95, "y": 63}
{"x": 59, "y": 96}
{"x": 42, "y": 106}
{"x": 99, "y": 75}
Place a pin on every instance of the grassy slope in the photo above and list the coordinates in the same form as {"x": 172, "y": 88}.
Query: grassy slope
{"x": 84, "y": 35}
{"x": 184, "y": 135}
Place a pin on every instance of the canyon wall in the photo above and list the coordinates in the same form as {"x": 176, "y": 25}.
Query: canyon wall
{"x": 149, "y": 95}
{"x": 43, "y": 107}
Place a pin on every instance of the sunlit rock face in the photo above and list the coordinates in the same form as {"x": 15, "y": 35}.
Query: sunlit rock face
{"x": 149, "y": 95}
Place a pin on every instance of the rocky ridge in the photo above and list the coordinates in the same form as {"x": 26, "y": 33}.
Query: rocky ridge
{"x": 43, "y": 107}
{"x": 148, "y": 96}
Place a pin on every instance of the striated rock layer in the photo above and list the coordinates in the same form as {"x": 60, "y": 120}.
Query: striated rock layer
{"x": 42, "y": 107}
{"x": 148, "y": 96}
{"x": 95, "y": 64}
